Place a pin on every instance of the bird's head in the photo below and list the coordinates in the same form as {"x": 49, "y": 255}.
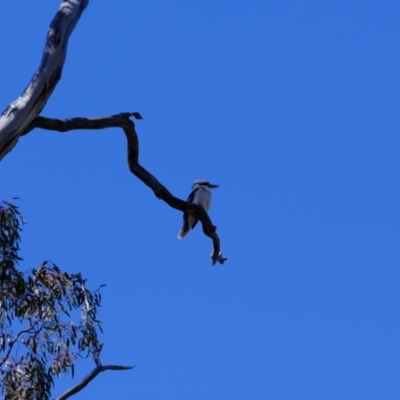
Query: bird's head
{"x": 201, "y": 182}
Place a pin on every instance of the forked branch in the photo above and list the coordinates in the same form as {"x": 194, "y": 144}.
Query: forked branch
{"x": 123, "y": 121}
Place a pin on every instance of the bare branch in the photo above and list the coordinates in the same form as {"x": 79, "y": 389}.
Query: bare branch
{"x": 87, "y": 379}
{"x": 18, "y": 115}
{"x": 123, "y": 121}
{"x": 88, "y": 320}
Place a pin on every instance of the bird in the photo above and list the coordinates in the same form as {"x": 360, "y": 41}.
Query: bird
{"x": 201, "y": 195}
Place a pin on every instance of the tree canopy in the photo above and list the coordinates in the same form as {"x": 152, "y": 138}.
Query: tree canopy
{"x": 47, "y": 319}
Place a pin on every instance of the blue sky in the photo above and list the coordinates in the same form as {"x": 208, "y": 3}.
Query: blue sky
{"x": 292, "y": 108}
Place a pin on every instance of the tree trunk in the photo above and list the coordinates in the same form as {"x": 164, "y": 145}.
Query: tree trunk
{"x": 19, "y": 114}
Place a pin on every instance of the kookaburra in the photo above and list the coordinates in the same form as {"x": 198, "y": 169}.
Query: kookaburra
{"x": 201, "y": 195}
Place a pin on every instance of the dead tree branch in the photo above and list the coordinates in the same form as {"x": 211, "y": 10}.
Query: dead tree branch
{"x": 18, "y": 115}
{"x": 88, "y": 378}
{"x": 123, "y": 121}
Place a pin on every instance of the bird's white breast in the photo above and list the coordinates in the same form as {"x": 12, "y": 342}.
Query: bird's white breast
{"x": 203, "y": 198}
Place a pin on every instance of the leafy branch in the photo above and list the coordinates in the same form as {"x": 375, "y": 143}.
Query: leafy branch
{"x": 43, "y": 301}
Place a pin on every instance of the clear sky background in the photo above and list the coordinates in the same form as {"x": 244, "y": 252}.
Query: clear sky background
{"x": 292, "y": 107}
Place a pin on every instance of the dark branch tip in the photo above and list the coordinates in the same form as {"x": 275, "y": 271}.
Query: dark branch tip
{"x": 220, "y": 259}
{"x": 136, "y": 115}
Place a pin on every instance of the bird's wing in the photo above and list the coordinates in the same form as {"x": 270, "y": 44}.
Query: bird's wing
{"x": 191, "y": 195}
{"x": 190, "y": 200}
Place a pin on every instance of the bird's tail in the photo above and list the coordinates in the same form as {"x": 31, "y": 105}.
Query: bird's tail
{"x": 184, "y": 231}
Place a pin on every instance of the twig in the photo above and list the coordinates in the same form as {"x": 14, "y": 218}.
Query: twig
{"x": 87, "y": 379}
{"x": 86, "y": 311}
{"x": 11, "y": 345}
{"x": 123, "y": 121}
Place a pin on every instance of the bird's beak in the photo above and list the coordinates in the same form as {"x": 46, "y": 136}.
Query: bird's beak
{"x": 213, "y": 186}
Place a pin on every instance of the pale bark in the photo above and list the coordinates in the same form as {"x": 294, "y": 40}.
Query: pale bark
{"x": 19, "y": 114}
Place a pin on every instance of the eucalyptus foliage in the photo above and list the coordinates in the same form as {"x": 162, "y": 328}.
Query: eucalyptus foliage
{"x": 39, "y": 339}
